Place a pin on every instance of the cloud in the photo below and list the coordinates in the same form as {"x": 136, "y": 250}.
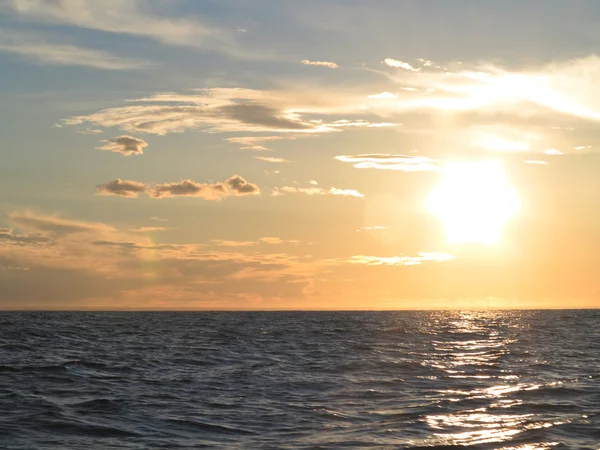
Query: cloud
{"x": 122, "y": 188}
{"x": 129, "y": 17}
{"x": 276, "y": 241}
{"x": 346, "y": 192}
{"x": 552, "y": 151}
{"x": 360, "y": 124}
{"x": 54, "y": 224}
{"x": 269, "y": 240}
{"x": 240, "y": 186}
{"x": 566, "y": 88}
{"x": 328, "y": 64}
{"x": 316, "y": 191}
{"x": 188, "y": 188}
{"x": 289, "y": 113}
{"x": 423, "y": 257}
{"x": 535, "y": 161}
{"x": 88, "y": 264}
{"x": 383, "y": 96}
{"x": 125, "y": 145}
{"x": 215, "y": 110}
{"x": 38, "y": 49}
{"x": 8, "y": 235}
{"x": 374, "y": 228}
{"x": 384, "y": 161}
{"x": 271, "y": 159}
{"x": 149, "y": 229}
{"x": 253, "y": 143}
{"x": 233, "y": 186}
{"x": 398, "y": 64}
{"x": 226, "y": 243}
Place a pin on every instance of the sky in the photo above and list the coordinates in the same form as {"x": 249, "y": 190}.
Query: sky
{"x": 267, "y": 154}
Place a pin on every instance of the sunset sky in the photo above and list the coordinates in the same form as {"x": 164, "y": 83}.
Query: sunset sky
{"x": 266, "y": 154}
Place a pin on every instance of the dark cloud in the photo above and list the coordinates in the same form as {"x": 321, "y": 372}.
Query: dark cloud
{"x": 239, "y": 185}
{"x": 125, "y": 145}
{"x": 188, "y": 188}
{"x": 122, "y": 188}
{"x": 233, "y": 186}
{"x": 256, "y": 114}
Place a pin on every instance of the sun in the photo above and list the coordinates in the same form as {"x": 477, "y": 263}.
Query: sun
{"x": 474, "y": 201}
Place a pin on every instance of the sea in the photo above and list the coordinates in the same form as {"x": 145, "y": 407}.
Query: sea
{"x": 300, "y": 380}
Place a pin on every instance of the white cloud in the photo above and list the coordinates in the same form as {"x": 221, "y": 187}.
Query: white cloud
{"x": 398, "y": 64}
{"x": 535, "y": 161}
{"x": 384, "y": 161}
{"x": 316, "y": 191}
{"x": 374, "y": 228}
{"x": 328, "y": 64}
{"x": 383, "y": 96}
{"x": 271, "y": 159}
{"x": 552, "y": 151}
{"x": 38, "y": 49}
{"x": 423, "y": 257}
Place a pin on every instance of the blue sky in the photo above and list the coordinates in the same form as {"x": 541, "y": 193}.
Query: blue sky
{"x": 270, "y": 154}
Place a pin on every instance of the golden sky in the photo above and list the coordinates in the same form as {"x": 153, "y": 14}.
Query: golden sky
{"x": 299, "y": 155}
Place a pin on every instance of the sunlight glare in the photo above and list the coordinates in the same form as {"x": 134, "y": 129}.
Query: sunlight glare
{"x": 473, "y": 201}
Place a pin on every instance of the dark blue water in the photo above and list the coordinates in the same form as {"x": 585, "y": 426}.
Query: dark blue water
{"x": 491, "y": 380}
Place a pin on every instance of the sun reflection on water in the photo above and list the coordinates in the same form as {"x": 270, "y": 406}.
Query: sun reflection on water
{"x": 470, "y": 352}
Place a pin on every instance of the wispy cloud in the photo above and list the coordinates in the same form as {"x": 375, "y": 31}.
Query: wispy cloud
{"x": 128, "y": 17}
{"x": 126, "y": 145}
{"x": 423, "y": 257}
{"x": 316, "y": 191}
{"x": 384, "y": 96}
{"x": 55, "y": 225}
{"x": 398, "y": 64}
{"x": 38, "y": 49}
{"x": 271, "y": 159}
{"x": 536, "y": 161}
{"x": 289, "y": 113}
{"x": 150, "y": 229}
{"x": 384, "y": 161}
{"x": 212, "y": 110}
{"x": 374, "y": 228}
{"x": 255, "y": 142}
{"x": 329, "y": 64}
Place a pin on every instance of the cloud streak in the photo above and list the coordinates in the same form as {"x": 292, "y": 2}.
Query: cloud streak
{"x": 38, "y": 49}
{"x": 423, "y": 257}
{"x": 328, "y": 64}
{"x": 316, "y": 191}
{"x": 126, "y": 17}
{"x": 384, "y": 161}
